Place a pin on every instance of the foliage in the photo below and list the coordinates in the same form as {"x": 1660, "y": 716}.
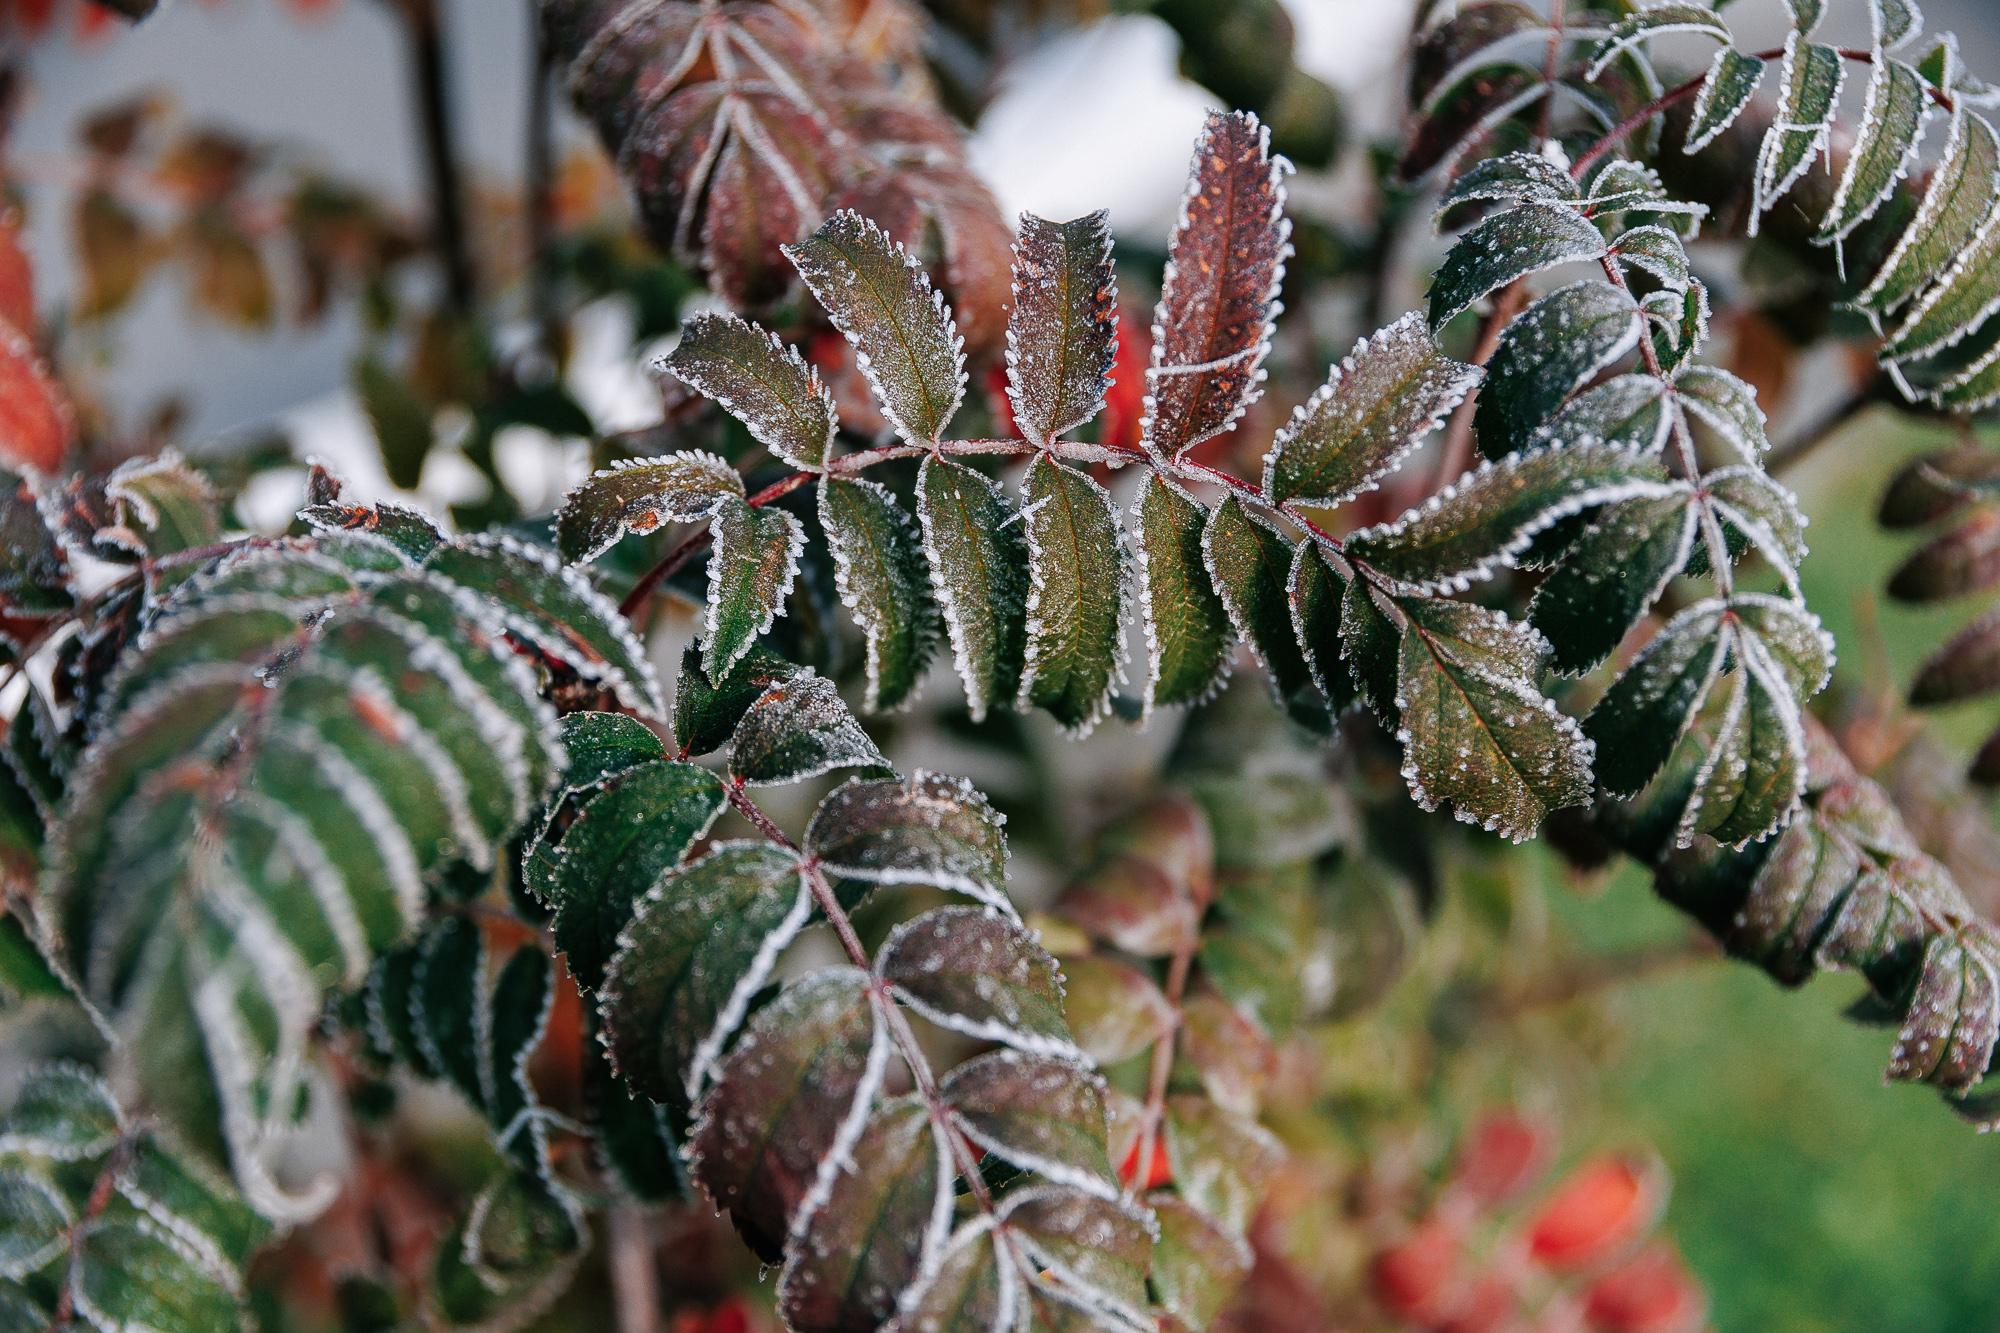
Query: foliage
{"x": 315, "y": 841}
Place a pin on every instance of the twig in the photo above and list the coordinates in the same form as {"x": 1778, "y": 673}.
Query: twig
{"x": 1147, "y": 1148}
{"x": 540, "y": 189}
{"x": 634, "y": 1284}
{"x": 101, "y": 1192}
{"x": 427, "y": 56}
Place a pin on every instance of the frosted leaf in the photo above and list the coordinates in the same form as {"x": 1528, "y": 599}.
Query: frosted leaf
{"x": 1219, "y": 296}
{"x": 799, "y": 728}
{"x": 1315, "y": 591}
{"x": 1624, "y": 412}
{"x": 1748, "y": 502}
{"x": 1894, "y": 22}
{"x": 1640, "y": 719}
{"x": 979, "y": 568}
{"x": 1730, "y": 84}
{"x": 1955, "y": 204}
{"x": 1197, "y": 1265}
{"x": 975, "y": 971}
{"x": 1043, "y": 1115}
{"x": 1097, "y": 1252}
{"x": 927, "y": 829}
{"x": 904, "y": 340}
{"x": 1809, "y": 79}
{"x": 1754, "y": 769}
{"x": 788, "y": 1105}
{"x": 1509, "y": 246}
{"x": 1612, "y": 574}
{"x": 1250, "y": 564}
{"x": 1790, "y": 636}
{"x": 1061, "y": 331}
{"x": 1224, "y": 1163}
{"x": 1655, "y": 250}
{"x": 973, "y": 1283}
{"x": 1957, "y": 303}
{"x": 1973, "y": 389}
{"x": 1634, "y": 30}
{"x": 1554, "y": 347}
{"x": 1510, "y": 178}
{"x": 1375, "y": 408}
{"x": 1953, "y": 1019}
{"x": 1477, "y": 733}
{"x": 1187, "y": 627}
{"x": 761, "y": 382}
{"x": 1076, "y": 595}
{"x": 1485, "y": 519}
{"x": 884, "y": 1219}
{"x": 641, "y": 495}
{"x": 751, "y": 565}
{"x": 1728, "y": 406}
{"x": 879, "y": 567}
{"x": 63, "y": 1112}
{"x": 1892, "y": 129}
{"x": 1370, "y": 642}
{"x": 697, "y": 935}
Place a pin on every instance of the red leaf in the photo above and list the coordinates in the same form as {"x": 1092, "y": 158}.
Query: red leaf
{"x": 1125, "y": 401}
{"x": 1602, "y": 1206}
{"x": 35, "y": 422}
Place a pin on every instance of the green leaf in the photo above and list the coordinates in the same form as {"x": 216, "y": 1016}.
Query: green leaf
{"x": 133, "y": 1273}
{"x": 1316, "y": 591}
{"x": 1635, "y": 30}
{"x": 788, "y": 1103}
{"x": 1957, "y": 303}
{"x": 705, "y": 714}
{"x": 1219, "y": 295}
{"x": 1223, "y": 1163}
{"x": 1726, "y": 405}
{"x": 1377, "y": 406}
{"x": 1484, "y": 520}
{"x": 202, "y": 1212}
{"x": 1751, "y": 505}
{"x": 972, "y": 1284}
{"x": 1656, "y": 251}
{"x": 34, "y": 1222}
{"x": 1095, "y": 1252}
{"x": 1510, "y": 178}
{"x": 979, "y": 567}
{"x": 879, "y": 566}
{"x": 904, "y": 338}
{"x": 1477, "y": 732}
{"x": 410, "y": 531}
{"x": 1187, "y": 626}
{"x": 1611, "y": 575}
{"x": 1076, "y": 595}
{"x": 641, "y": 495}
{"x": 1275, "y": 816}
{"x": 1810, "y": 79}
{"x": 925, "y": 829}
{"x": 1061, "y": 331}
{"x": 1892, "y": 129}
{"x": 798, "y": 728}
{"x": 64, "y": 1113}
{"x": 702, "y": 943}
{"x": 980, "y": 973}
{"x": 1372, "y": 645}
{"x": 1509, "y": 246}
{"x": 511, "y": 1255}
{"x": 1641, "y": 718}
{"x": 1253, "y": 949}
{"x": 34, "y": 570}
{"x": 885, "y": 1213}
{"x": 1041, "y": 1114}
{"x": 1730, "y": 84}
{"x": 1197, "y": 1265}
{"x": 751, "y": 566}
{"x": 1954, "y": 206}
{"x": 1250, "y": 564}
{"x": 144, "y": 508}
{"x": 761, "y": 382}
{"x": 1557, "y": 345}
{"x": 622, "y": 839}
{"x": 555, "y": 610}
{"x": 1625, "y": 411}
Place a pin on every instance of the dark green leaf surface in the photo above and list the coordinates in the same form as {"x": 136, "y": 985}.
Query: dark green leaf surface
{"x": 1508, "y": 246}
{"x": 979, "y": 567}
{"x": 706, "y": 714}
{"x": 751, "y": 565}
{"x": 1250, "y": 563}
{"x": 1316, "y": 591}
{"x": 1635, "y": 30}
{"x": 761, "y": 382}
{"x": 1955, "y": 203}
{"x": 1892, "y": 128}
{"x": 1730, "y": 84}
{"x": 1643, "y": 715}
{"x": 879, "y": 565}
{"x": 1554, "y": 347}
{"x": 1076, "y": 595}
{"x": 1187, "y": 626}
{"x": 1809, "y": 80}
{"x": 1612, "y": 573}
{"x": 925, "y": 829}
{"x": 641, "y": 495}
{"x": 980, "y": 973}
{"x": 799, "y": 728}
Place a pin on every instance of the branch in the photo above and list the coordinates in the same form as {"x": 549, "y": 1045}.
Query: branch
{"x": 425, "y": 32}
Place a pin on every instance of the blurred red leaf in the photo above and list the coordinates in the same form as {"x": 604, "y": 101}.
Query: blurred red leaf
{"x": 1650, "y": 1293}
{"x": 1597, "y": 1210}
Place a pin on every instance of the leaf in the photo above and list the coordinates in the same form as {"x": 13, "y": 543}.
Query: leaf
{"x": 1196, "y": 1264}
{"x": 1316, "y": 591}
{"x": 1726, "y": 405}
{"x": 1957, "y": 303}
{"x": 1187, "y": 626}
{"x": 1553, "y": 348}
{"x": 1477, "y": 733}
{"x": 1272, "y": 817}
{"x": 705, "y": 715}
{"x": 903, "y": 336}
{"x": 34, "y": 1222}
{"x": 1098, "y": 1252}
{"x": 1372, "y": 645}
{"x": 1656, "y": 251}
{"x": 1060, "y": 333}
{"x": 1751, "y": 505}
{"x": 626, "y": 835}
{"x": 883, "y": 580}
{"x": 1625, "y": 411}
{"x": 1487, "y": 518}
{"x": 1651, "y": 705}
{"x": 1953, "y": 1020}
{"x": 703, "y": 941}
{"x": 1731, "y": 82}
{"x": 925, "y": 829}
{"x": 1510, "y": 178}
{"x": 972, "y": 1284}
{"x": 798, "y": 728}
{"x": 1076, "y": 595}
{"x": 1754, "y": 770}
{"x": 788, "y": 1104}
{"x": 979, "y": 567}
{"x": 1810, "y": 79}
{"x": 1253, "y": 949}
{"x": 132, "y": 1273}
{"x": 1611, "y": 575}
{"x": 62, "y": 1112}
{"x": 1892, "y": 129}
{"x": 761, "y": 382}
{"x": 975, "y": 971}
{"x": 885, "y": 1213}
{"x": 34, "y": 568}
{"x": 641, "y": 495}
{"x": 1964, "y": 558}
{"x": 1377, "y": 406}
{"x": 1954, "y": 206}
{"x": 1114, "y": 1009}
{"x": 1964, "y": 667}
{"x": 1223, "y": 1163}
{"x": 144, "y": 508}
{"x": 1507, "y": 247}
{"x": 1219, "y": 295}
{"x": 554, "y": 609}
{"x": 1043, "y": 1115}
{"x": 411, "y": 531}
{"x": 1250, "y": 563}
{"x": 1634, "y": 30}
{"x": 511, "y": 1255}
{"x": 751, "y": 566}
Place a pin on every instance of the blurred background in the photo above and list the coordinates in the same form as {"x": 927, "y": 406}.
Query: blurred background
{"x": 1805, "y": 1195}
